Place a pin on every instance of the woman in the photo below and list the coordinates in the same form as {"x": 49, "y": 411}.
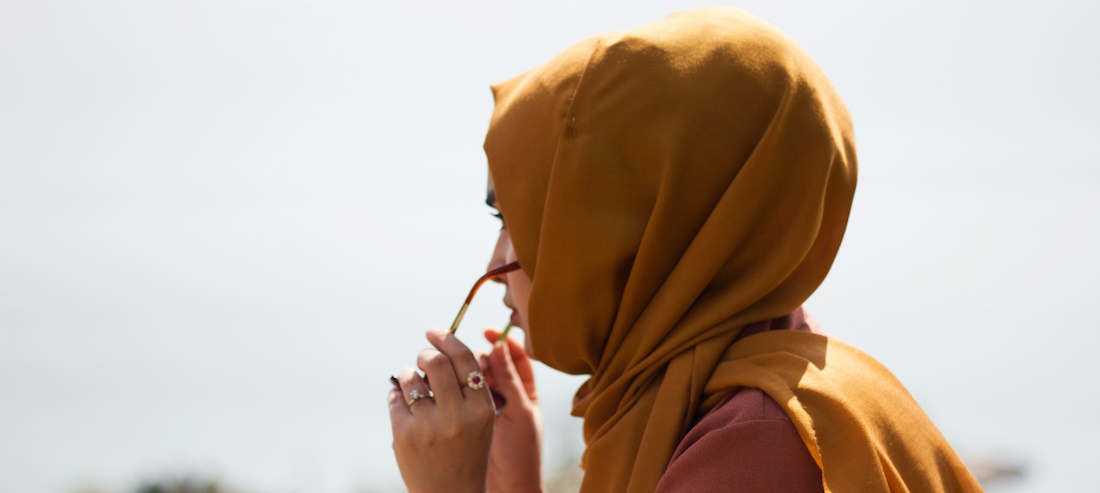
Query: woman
{"x": 673, "y": 194}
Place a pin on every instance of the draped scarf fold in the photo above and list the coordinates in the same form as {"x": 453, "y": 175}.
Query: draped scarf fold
{"x": 666, "y": 186}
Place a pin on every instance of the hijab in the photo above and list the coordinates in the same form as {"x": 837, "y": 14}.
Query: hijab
{"x": 664, "y": 187}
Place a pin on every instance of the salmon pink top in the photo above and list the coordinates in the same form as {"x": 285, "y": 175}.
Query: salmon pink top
{"x": 747, "y": 442}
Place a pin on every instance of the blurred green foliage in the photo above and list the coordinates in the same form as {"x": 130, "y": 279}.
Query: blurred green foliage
{"x": 181, "y": 485}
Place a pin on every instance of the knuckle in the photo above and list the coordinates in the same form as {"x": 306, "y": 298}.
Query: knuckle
{"x": 438, "y": 361}
{"x": 405, "y": 375}
{"x": 456, "y": 348}
{"x": 452, "y": 341}
{"x": 459, "y": 349}
{"x": 423, "y": 356}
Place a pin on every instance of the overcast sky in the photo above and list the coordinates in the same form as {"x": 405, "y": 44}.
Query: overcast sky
{"x": 223, "y": 224}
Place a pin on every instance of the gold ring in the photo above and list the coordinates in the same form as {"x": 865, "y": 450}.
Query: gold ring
{"x": 475, "y": 380}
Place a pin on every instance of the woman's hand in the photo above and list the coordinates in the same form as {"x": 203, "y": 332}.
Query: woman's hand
{"x": 442, "y": 443}
{"x": 514, "y": 461}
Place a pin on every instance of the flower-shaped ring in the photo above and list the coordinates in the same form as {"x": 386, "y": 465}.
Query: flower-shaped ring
{"x": 475, "y": 380}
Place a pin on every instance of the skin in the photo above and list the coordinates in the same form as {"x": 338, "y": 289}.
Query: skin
{"x": 517, "y": 284}
{"x": 455, "y": 442}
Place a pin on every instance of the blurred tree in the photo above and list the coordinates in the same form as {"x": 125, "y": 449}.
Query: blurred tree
{"x": 181, "y": 485}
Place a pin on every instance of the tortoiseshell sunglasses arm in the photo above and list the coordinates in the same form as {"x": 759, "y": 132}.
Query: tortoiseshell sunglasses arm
{"x": 499, "y": 271}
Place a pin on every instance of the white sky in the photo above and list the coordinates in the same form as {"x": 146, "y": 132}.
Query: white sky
{"x": 224, "y": 224}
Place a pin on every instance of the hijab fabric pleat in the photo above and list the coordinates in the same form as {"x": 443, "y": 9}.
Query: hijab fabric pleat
{"x": 664, "y": 187}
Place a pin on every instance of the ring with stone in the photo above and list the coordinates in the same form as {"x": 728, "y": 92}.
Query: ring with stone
{"x": 475, "y": 380}
{"x": 415, "y": 395}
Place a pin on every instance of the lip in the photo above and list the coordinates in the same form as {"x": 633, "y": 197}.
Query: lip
{"x": 515, "y": 319}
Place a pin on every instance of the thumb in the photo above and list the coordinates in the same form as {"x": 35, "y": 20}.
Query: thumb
{"x": 492, "y": 335}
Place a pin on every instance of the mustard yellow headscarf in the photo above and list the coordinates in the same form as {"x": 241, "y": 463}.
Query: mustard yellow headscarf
{"x": 663, "y": 188}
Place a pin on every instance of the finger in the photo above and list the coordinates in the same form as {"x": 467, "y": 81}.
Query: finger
{"x": 438, "y": 370}
{"x": 483, "y": 363}
{"x": 492, "y": 335}
{"x": 399, "y": 412}
{"x": 505, "y": 376}
{"x": 480, "y": 353}
{"x": 411, "y": 381}
{"x": 520, "y": 360}
{"x": 465, "y": 364}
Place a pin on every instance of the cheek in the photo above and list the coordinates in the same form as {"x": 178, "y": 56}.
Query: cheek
{"x": 504, "y": 243}
{"x": 520, "y": 287}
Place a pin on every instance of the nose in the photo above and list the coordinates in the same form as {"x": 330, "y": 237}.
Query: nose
{"x": 499, "y": 257}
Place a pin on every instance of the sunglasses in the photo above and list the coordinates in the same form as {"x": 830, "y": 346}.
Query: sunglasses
{"x": 499, "y": 271}
{"x": 498, "y": 400}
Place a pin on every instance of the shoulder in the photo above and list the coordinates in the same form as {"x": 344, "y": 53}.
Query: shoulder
{"x": 746, "y": 443}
